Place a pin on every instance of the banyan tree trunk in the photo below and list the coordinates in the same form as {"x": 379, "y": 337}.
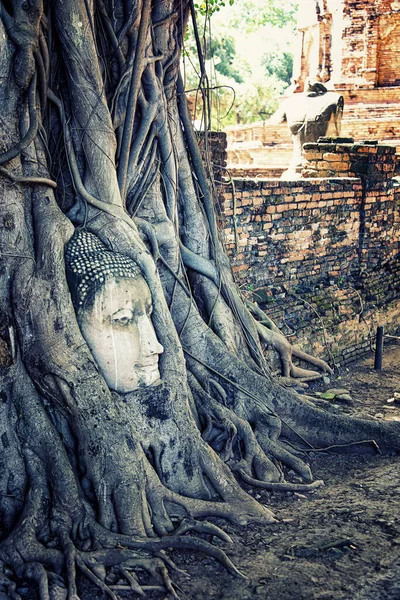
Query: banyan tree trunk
{"x": 96, "y": 135}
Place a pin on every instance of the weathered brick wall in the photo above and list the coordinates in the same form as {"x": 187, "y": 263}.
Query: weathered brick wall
{"x": 214, "y": 147}
{"x": 371, "y": 43}
{"x": 320, "y": 255}
{"x": 368, "y": 160}
{"x": 354, "y": 43}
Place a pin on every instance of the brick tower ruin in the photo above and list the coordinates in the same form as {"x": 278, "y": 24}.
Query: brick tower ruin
{"x": 352, "y": 44}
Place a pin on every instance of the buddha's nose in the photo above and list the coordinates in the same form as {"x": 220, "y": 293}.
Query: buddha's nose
{"x": 150, "y": 343}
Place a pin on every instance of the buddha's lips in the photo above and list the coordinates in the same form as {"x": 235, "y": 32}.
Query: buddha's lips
{"x": 150, "y": 365}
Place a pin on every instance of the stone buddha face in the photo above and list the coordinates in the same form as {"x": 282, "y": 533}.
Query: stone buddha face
{"x": 114, "y": 305}
{"x": 118, "y": 329}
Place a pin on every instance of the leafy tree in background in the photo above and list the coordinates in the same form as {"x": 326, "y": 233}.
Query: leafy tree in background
{"x": 250, "y": 15}
{"x": 248, "y": 58}
{"x": 222, "y": 50}
{"x": 280, "y": 64}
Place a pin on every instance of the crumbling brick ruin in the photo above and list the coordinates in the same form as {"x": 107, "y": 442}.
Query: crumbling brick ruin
{"x": 321, "y": 253}
{"x": 353, "y": 47}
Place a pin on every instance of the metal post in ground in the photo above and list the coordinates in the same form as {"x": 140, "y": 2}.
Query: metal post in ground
{"x": 378, "y": 349}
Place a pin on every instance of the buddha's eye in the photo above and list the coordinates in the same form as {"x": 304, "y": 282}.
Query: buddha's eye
{"x": 122, "y": 321}
{"x": 122, "y": 317}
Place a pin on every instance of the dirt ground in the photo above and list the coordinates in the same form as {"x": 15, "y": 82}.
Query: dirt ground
{"x": 342, "y": 542}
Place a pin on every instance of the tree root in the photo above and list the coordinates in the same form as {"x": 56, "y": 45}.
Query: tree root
{"x": 28, "y": 180}
{"x": 119, "y": 547}
{"x": 120, "y": 552}
{"x": 281, "y": 454}
{"x": 132, "y": 580}
{"x": 271, "y": 334}
{"x": 281, "y": 487}
{"x": 224, "y": 429}
{"x": 33, "y": 126}
{"x": 260, "y": 445}
{"x": 70, "y": 546}
{"x": 7, "y": 585}
{"x": 156, "y": 567}
{"x": 201, "y": 527}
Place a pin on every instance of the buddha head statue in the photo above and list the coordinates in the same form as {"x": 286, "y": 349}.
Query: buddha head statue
{"x": 113, "y": 305}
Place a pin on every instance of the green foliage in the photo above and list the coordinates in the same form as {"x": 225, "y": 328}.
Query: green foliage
{"x": 252, "y": 15}
{"x": 272, "y": 12}
{"x": 247, "y": 48}
{"x": 223, "y": 48}
{"x": 209, "y": 7}
{"x": 280, "y": 64}
{"x": 256, "y": 100}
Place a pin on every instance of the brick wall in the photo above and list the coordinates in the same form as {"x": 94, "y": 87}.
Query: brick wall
{"x": 368, "y": 160}
{"x": 354, "y": 43}
{"x": 320, "y": 255}
{"x": 214, "y": 147}
{"x": 371, "y": 43}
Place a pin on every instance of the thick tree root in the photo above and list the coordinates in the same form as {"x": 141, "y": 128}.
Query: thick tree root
{"x": 125, "y": 545}
{"x": 270, "y": 334}
{"x": 92, "y": 549}
{"x": 114, "y": 551}
{"x": 224, "y": 429}
{"x": 281, "y": 487}
{"x": 262, "y": 452}
{"x": 202, "y": 527}
{"x": 7, "y": 585}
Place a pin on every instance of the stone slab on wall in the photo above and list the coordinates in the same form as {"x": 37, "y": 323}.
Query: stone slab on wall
{"x": 253, "y": 172}
{"x": 321, "y": 255}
